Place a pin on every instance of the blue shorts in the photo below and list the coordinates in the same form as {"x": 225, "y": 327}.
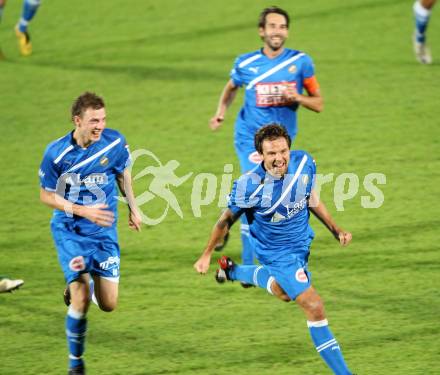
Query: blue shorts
{"x": 97, "y": 254}
{"x": 247, "y": 155}
{"x": 292, "y": 276}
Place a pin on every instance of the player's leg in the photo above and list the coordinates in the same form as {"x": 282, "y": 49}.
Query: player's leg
{"x": 72, "y": 254}
{"x": 322, "y": 337}
{"x": 76, "y": 322}
{"x": 2, "y": 5}
{"x": 422, "y": 12}
{"x": 256, "y": 275}
{"x": 106, "y": 293}
{"x": 106, "y": 271}
{"x": 9, "y": 285}
{"x": 30, "y": 8}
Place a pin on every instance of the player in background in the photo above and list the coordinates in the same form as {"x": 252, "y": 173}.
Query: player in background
{"x": 422, "y": 12}
{"x": 274, "y": 79}
{"x": 30, "y": 8}
{"x": 78, "y": 178}
{"x": 277, "y": 198}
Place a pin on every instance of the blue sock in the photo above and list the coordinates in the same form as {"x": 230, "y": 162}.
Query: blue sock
{"x": 256, "y": 275}
{"x": 29, "y": 9}
{"x": 328, "y": 347}
{"x": 421, "y": 16}
{"x": 247, "y": 254}
{"x": 76, "y": 327}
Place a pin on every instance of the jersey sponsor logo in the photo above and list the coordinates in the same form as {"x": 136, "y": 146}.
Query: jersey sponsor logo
{"x": 74, "y": 179}
{"x": 292, "y": 69}
{"x": 301, "y": 276}
{"x": 103, "y": 161}
{"x": 271, "y": 94}
{"x": 296, "y": 207}
{"x": 77, "y": 264}
{"x": 110, "y": 263}
{"x": 254, "y": 69}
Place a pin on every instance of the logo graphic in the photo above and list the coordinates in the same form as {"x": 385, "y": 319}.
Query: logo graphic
{"x": 111, "y": 262}
{"x": 104, "y": 161}
{"x": 163, "y": 178}
{"x": 254, "y": 69}
{"x": 77, "y": 264}
{"x": 271, "y": 94}
{"x": 292, "y": 69}
{"x": 301, "y": 276}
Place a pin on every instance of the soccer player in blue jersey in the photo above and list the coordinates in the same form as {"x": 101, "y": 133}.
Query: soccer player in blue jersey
{"x": 78, "y": 178}
{"x": 30, "y": 8}
{"x": 277, "y": 197}
{"x": 274, "y": 79}
{"x": 422, "y": 12}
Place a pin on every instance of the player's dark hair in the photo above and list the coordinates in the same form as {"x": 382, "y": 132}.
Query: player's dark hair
{"x": 84, "y": 101}
{"x": 273, "y": 9}
{"x": 270, "y": 132}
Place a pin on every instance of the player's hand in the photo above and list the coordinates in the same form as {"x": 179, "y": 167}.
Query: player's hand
{"x": 291, "y": 94}
{"x": 135, "y": 220}
{"x": 99, "y": 215}
{"x": 344, "y": 238}
{"x": 216, "y": 122}
{"x": 202, "y": 265}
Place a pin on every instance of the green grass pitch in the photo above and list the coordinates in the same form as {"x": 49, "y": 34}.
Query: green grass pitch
{"x": 161, "y": 67}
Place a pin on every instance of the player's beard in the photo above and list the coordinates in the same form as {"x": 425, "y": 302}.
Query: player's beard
{"x": 275, "y": 45}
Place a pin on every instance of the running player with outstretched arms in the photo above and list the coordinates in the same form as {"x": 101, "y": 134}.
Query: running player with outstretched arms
{"x": 276, "y": 80}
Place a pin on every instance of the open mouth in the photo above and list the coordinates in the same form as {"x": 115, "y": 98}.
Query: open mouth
{"x": 279, "y": 165}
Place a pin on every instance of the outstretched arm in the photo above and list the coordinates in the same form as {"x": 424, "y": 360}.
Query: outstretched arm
{"x": 320, "y": 211}
{"x": 226, "y": 220}
{"x": 126, "y": 187}
{"x": 226, "y": 99}
{"x": 96, "y": 214}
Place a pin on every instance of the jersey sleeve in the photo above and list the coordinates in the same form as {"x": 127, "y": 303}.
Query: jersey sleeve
{"x": 310, "y": 82}
{"x": 235, "y": 74}
{"x": 123, "y": 157}
{"x": 48, "y": 173}
{"x": 236, "y": 200}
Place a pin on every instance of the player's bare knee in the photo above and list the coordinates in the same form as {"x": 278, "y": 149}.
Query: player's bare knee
{"x": 278, "y": 292}
{"x": 315, "y": 308}
{"x": 108, "y": 306}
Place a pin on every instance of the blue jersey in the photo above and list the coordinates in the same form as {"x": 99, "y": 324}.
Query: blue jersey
{"x": 264, "y": 80}
{"x": 84, "y": 176}
{"x": 277, "y": 209}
